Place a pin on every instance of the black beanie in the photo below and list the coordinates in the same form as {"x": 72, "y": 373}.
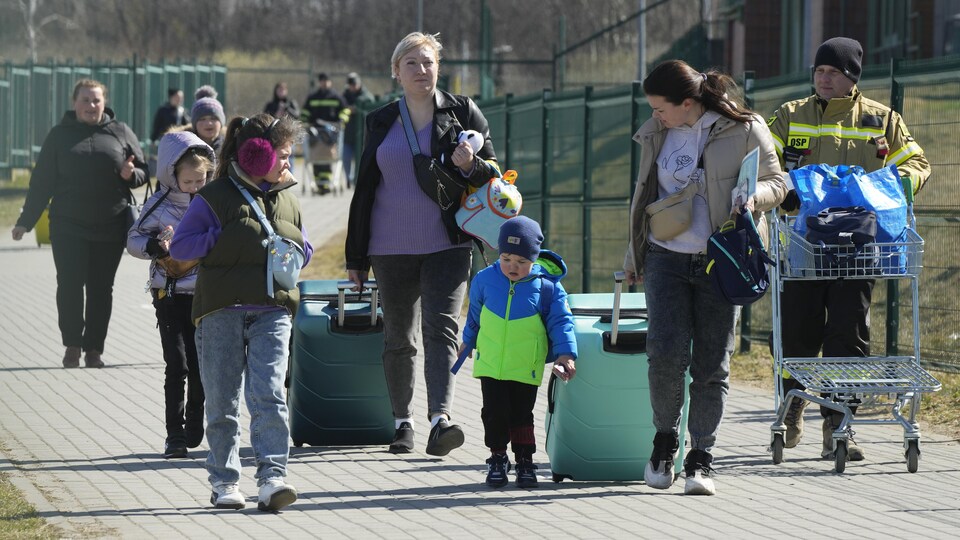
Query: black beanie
{"x": 842, "y": 53}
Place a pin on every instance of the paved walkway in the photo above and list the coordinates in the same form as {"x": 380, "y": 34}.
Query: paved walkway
{"x": 83, "y": 446}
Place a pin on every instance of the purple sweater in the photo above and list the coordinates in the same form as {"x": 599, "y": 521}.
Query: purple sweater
{"x": 202, "y": 225}
{"x": 404, "y": 221}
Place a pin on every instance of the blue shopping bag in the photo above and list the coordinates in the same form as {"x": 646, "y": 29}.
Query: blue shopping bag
{"x": 823, "y": 186}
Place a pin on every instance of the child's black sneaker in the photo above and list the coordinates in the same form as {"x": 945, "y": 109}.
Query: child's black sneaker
{"x": 174, "y": 448}
{"x": 526, "y": 474}
{"x": 498, "y": 465}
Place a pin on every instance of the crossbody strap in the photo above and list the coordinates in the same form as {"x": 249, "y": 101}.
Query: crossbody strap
{"x": 408, "y": 127}
{"x": 264, "y": 222}
{"x": 266, "y": 228}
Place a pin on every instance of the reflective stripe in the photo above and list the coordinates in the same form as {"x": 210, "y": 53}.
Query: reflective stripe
{"x": 324, "y": 103}
{"x": 777, "y": 143}
{"x": 863, "y": 133}
{"x": 904, "y": 153}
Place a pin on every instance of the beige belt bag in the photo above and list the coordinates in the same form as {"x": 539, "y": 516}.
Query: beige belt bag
{"x": 672, "y": 215}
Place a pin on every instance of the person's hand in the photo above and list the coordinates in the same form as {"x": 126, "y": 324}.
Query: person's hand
{"x": 569, "y": 367}
{"x": 166, "y": 236}
{"x": 749, "y": 205}
{"x": 126, "y": 170}
{"x": 463, "y": 157}
{"x": 18, "y": 232}
{"x": 633, "y": 278}
{"x": 357, "y": 277}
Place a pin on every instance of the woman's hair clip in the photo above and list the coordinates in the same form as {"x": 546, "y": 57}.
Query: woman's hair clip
{"x": 244, "y": 121}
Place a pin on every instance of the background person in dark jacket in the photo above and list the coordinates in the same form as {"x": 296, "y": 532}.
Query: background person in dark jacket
{"x": 355, "y": 94}
{"x": 421, "y": 269}
{"x": 86, "y": 168}
{"x": 169, "y": 114}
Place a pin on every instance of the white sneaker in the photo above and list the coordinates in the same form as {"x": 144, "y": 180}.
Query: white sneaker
{"x": 699, "y": 483}
{"x": 227, "y": 496}
{"x": 275, "y": 494}
{"x": 661, "y": 476}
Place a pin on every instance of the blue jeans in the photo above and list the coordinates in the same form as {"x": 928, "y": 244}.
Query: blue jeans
{"x": 421, "y": 291}
{"x": 682, "y": 307}
{"x": 249, "y": 349}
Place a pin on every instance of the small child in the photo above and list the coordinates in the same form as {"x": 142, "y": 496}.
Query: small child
{"x": 185, "y": 163}
{"x": 525, "y": 322}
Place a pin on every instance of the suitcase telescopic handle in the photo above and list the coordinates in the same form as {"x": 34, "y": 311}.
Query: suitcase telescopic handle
{"x": 343, "y": 287}
{"x": 618, "y": 278}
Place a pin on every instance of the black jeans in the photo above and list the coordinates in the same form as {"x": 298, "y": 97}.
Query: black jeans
{"x": 507, "y": 416}
{"x": 830, "y": 315}
{"x": 85, "y": 266}
{"x": 180, "y": 356}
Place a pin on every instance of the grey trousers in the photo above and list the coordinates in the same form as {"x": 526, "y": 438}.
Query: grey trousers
{"x": 424, "y": 291}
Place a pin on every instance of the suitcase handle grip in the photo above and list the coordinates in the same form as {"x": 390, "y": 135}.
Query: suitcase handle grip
{"x": 618, "y": 278}
{"x": 343, "y": 287}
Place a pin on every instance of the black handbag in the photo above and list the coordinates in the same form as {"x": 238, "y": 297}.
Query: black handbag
{"x": 436, "y": 180}
{"x": 840, "y": 236}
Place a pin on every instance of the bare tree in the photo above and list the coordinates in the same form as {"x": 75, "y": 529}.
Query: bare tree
{"x": 29, "y": 10}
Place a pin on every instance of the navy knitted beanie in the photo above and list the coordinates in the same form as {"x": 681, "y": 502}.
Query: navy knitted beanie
{"x": 842, "y": 53}
{"x": 520, "y": 236}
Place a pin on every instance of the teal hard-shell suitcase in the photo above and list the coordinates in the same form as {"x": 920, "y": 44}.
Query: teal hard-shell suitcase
{"x": 600, "y": 424}
{"x": 337, "y": 392}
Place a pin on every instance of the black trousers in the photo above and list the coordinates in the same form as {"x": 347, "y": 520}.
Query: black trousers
{"x": 182, "y": 366}
{"x": 832, "y": 316}
{"x": 507, "y": 416}
{"x": 85, "y": 273}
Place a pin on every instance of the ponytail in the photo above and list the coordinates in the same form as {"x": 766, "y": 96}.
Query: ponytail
{"x": 675, "y": 81}
{"x": 240, "y": 129}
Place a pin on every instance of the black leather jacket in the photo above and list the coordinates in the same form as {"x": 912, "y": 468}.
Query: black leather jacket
{"x": 451, "y": 115}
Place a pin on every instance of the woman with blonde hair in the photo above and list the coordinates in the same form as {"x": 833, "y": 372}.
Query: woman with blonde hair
{"x": 420, "y": 258}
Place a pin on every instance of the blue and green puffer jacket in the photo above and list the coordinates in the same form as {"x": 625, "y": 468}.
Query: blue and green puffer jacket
{"x": 512, "y": 328}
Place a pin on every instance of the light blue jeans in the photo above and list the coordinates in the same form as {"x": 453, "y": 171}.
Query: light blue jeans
{"x": 421, "y": 294}
{"x": 248, "y": 349}
{"x": 683, "y": 306}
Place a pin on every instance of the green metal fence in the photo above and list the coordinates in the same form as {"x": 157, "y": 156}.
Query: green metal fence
{"x": 33, "y": 98}
{"x": 577, "y": 166}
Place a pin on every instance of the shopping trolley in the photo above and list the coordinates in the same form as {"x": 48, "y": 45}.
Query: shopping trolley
{"x": 325, "y": 141}
{"x": 895, "y": 381}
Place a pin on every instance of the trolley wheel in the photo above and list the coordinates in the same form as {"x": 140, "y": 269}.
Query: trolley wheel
{"x": 840, "y": 455}
{"x": 913, "y": 455}
{"x": 777, "y": 447}
{"x": 557, "y": 478}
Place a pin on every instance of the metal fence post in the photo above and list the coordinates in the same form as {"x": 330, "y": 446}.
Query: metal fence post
{"x": 893, "y": 285}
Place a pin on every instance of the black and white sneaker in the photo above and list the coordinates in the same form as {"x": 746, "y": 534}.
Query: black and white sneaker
{"x": 659, "y": 472}
{"x": 498, "y": 465}
{"x": 227, "y": 496}
{"x": 526, "y": 474}
{"x": 444, "y": 437}
{"x": 699, "y": 474}
{"x": 402, "y": 439}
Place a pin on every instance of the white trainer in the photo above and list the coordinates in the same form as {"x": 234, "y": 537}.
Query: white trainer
{"x": 699, "y": 483}
{"x": 227, "y": 496}
{"x": 661, "y": 476}
{"x": 275, "y": 494}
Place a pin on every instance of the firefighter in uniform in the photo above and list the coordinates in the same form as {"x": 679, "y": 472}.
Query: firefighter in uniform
{"x": 325, "y": 112}
{"x": 838, "y": 126}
